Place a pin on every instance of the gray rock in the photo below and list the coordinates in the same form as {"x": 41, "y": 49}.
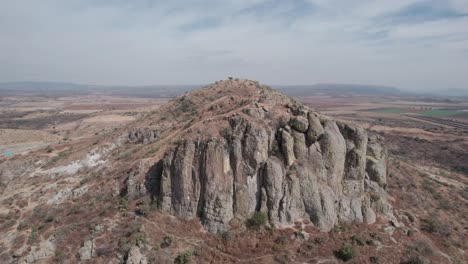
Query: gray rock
{"x": 376, "y": 167}
{"x": 300, "y": 124}
{"x": 287, "y": 143}
{"x": 135, "y": 256}
{"x": 369, "y": 215}
{"x": 87, "y": 251}
{"x": 300, "y": 147}
{"x": 321, "y": 171}
{"x": 389, "y": 230}
{"x": 43, "y": 251}
{"x": 315, "y": 128}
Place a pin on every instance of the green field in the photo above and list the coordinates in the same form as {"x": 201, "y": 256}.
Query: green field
{"x": 388, "y": 110}
{"x": 461, "y": 115}
{"x": 439, "y": 113}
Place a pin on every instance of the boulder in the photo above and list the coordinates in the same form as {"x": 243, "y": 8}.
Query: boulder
{"x": 135, "y": 256}
{"x": 87, "y": 251}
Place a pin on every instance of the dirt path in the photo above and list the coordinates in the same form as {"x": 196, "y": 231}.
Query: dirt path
{"x": 429, "y": 172}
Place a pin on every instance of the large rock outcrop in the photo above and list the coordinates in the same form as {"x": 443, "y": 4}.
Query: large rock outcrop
{"x": 265, "y": 152}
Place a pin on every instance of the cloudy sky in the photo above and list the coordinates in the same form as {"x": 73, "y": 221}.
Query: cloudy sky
{"x": 413, "y": 44}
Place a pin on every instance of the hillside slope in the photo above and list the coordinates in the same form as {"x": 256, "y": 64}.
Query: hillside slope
{"x": 233, "y": 172}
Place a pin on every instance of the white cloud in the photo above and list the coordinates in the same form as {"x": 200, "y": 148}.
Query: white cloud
{"x": 137, "y": 43}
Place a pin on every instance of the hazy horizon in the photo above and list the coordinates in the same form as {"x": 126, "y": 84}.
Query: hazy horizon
{"x": 412, "y": 45}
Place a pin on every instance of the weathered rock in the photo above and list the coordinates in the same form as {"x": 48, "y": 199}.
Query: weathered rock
{"x": 376, "y": 168}
{"x": 300, "y": 124}
{"x": 143, "y": 135}
{"x": 389, "y": 230}
{"x": 369, "y": 215}
{"x": 300, "y": 147}
{"x": 87, "y": 251}
{"x": 315, "y": 128}
{"x": 316, "y": 170}
{"x": 44, "y": 250}
{"x": 273, "y": 182}
{"x": 287, "y": 143}
{"x": 135, "y": 256}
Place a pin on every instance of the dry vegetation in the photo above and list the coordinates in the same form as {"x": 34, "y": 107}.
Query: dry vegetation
{"x": 427, "y": 181}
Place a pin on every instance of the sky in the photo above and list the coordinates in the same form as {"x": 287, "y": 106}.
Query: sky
{"x": 411, "y": 44}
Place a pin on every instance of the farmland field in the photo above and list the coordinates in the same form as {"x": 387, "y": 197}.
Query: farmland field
{"x": 439, "y": 113}
{"x": 388, "y": 110}
{"x": 461, "y": 115}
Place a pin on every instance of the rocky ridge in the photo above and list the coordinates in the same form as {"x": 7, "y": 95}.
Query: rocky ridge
{"x": 237, "y": 147}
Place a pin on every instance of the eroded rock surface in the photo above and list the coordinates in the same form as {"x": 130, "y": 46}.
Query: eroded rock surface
{"x": 87, "y": 251}
{"x": 267, "y": 152}
{"x": 135, "y": 256}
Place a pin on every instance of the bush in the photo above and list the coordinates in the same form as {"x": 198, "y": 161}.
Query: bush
{"x": 319, "y": 240}
{"x": 345, "y": 253}
{"x": 49, "y": 218}
{"x": 167, "y": 241}
{"x": 281, "y": 240}
{"x": 415, "y": 260}
{"x": 429, "y": 225}
{"x": 374, "y": 260}
{"x": 75, "y": 209}
{"x": 357, "y": 240}
{"x": 33, "y": 235}
{"x": 143, "y": 210}
{"x": 124, "y": 203}
{"x": 183, "y": 258}
{"x": 257, "y": 221}
{"x": 21, "y": 226}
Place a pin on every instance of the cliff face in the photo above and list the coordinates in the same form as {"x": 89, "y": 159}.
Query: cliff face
{"x": 268, "y": 153}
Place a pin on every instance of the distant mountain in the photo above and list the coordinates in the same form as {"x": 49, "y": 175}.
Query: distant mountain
{"x": 169, "y": 91}
{"x": 453, "y": 92}
{"x": 41, "y": 88}
{"x": 338, "y": 89}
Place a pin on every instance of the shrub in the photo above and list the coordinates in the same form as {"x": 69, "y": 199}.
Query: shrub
{"x": 257, "y": 220}
{"x": 183, "y": 258}
{"x": 126, "y": 154}
{"x": 374, "y": 235}
{"x": 281, "y": 240}
{"x": 429, "y": 225}
{"x": 143, "y": 210}
{"x": 414, "y": 260}
{"x": 75, "y": 209}
{"x": 167, "y": 241}
{"x": 124, "y": 203}
{"x": 345, "y": 253}
{"x": 319, "y": 240}
{"x": 421, "y": 247}
{"x": 156, "y": 247}
{"x": 21, "y": 226}
{"x": 357, "y": 240}
{"x": 49, "y": 218}
{"x": 374, "y": 260}
{"x": 61, "y": 155}
{"x": 33, "y": 235}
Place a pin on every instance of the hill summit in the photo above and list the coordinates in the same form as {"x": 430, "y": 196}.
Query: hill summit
{"x": 236, "y": 147}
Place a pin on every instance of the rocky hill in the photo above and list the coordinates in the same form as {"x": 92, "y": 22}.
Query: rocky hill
{"x": 240, "y": 147}
{"x": 234, "y": 172}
